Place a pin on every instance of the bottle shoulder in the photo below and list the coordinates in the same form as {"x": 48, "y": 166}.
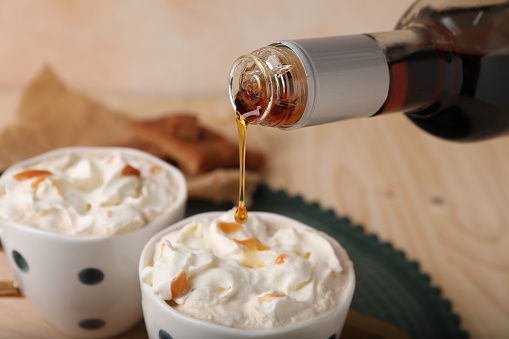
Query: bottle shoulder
{"x": 463, "y": 26}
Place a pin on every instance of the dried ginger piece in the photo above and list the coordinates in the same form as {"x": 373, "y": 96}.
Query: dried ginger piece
{"x": 194, "y": 148}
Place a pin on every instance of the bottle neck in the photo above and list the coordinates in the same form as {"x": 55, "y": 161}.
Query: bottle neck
{"x": 421, "y": 75}
{"x": 366, "y": 75}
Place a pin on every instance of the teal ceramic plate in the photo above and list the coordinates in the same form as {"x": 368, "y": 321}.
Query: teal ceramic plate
{"x": 389, "y": 287}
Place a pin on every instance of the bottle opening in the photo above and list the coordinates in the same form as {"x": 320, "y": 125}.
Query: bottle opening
{"x": 251, "y": 88}
{"x": 269, "y": 87}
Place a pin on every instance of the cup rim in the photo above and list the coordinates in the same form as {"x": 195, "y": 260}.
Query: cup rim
{"x": 175, "y": 173}
{"x": 347, "y": 292}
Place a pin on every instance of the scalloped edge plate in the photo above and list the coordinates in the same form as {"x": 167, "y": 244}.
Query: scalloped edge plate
{"x": 389, "y": 287}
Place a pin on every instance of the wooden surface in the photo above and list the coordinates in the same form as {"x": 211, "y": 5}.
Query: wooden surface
{"x": 445, "y": 204}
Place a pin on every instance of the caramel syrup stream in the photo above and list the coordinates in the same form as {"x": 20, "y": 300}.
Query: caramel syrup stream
{"x": 241, "y": 213}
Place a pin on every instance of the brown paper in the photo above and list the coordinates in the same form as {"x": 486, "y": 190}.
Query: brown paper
{"x": 51, "y": 116}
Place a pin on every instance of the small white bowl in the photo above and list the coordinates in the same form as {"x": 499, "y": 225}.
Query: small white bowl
{"x": 162, "y": 321}
{"x": 85, "y": 286}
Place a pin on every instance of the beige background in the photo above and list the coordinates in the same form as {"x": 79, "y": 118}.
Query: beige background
{"x": 444, "y": 204}
{"x": 164, "y": 46}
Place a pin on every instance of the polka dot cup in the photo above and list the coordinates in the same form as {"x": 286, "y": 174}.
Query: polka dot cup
{"x": 85, "y": 286}
{"x": 164, "y": 322}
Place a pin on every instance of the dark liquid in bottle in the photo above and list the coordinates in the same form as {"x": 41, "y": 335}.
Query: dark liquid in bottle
{"x": 284, "y": 113}
{"x": 467, "y": 79}
{"x": 456, "y": 88}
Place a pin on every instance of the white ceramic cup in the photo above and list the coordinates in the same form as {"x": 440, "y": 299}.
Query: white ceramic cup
{"x": 85, "y": 286}
{"x": 164, "y": 322}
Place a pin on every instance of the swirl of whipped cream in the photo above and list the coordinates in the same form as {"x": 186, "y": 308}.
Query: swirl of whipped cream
{"x": 96, "y": 193}
{"x": 252, "y": 276}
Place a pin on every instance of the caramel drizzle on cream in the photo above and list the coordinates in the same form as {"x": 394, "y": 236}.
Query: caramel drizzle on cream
{"x": 155, "y": 169}
{"x": 38, "y": 180}
{"x": 179, "y": 285}
{"x": 40, "y": 176}
{"x": 251, "y": 248}
{"x": 271, "y": 296}
{"x": 280, "y": 259}
{"x": 229, "y": 227}
{"x": 130, "y": 170}
{"x": 163, "y": 246}
{"x": 57, "y": 187}
{"x": 252, "y": 242}
{"x": 29, "y": 174}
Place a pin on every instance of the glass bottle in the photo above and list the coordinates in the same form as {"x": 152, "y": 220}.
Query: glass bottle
{"x": 446, "y": 66}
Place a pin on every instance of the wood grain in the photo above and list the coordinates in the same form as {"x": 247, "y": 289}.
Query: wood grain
{"x": 443, "y": 203}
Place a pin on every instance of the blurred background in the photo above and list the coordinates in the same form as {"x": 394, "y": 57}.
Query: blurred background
{"x": 443, "y": 203}
{"x": 164, "y": 47}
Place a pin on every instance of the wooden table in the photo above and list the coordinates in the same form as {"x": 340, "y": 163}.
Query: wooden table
{"x": 445, "y": 204}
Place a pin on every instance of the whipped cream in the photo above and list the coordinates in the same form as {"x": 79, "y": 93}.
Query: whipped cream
{"x": 88, "y": 193}
{"x": 252, "y": 276}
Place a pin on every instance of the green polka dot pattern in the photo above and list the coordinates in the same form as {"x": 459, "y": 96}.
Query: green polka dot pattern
{"x": 91, "y": 276}
{"x": 20, "y": 261}
{"x": 164, "y": 335}
{"x": 92, "y": 324}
